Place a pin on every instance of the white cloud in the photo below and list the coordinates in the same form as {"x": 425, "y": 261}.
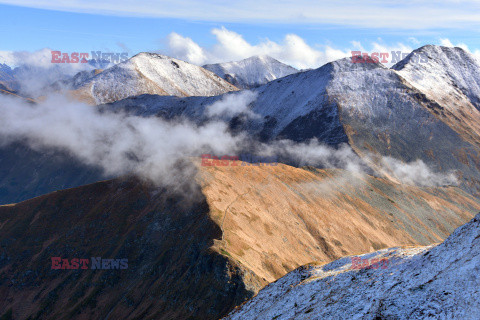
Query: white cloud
{"x": 231, "y": 46}
{"x": 447, "y": 43}
{"x": 185, "y": 48}
{"x": 233, "y": 104}
{"x": 151, "y": 147}
{"x": 36, "y": 71}
{"x": 292, "y": 50}
{"x": 117, "y": 143}
{"x": 382, "y": 47}
{"x": 416, "y": 173}
{"x": 39, "y": 58}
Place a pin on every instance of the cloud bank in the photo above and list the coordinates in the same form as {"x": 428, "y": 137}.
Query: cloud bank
{"x": 152, "y": 148}
{"x": 117, "y": 143}
{"x": 292, "y": 50}
{"x": 33, "y": 71}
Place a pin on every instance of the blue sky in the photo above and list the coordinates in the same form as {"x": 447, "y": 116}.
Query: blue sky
{"x": 302, "y": 33}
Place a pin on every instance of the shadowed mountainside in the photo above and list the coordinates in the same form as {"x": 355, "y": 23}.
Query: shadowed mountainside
{"x": 26, "y": 173}
{"x": 172, "y": 272}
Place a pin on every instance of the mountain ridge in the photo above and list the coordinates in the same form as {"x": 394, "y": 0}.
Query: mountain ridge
{"x": 437, "y": 281}
{"x": 251, "y": 72}
{"x": 153, "y": 74}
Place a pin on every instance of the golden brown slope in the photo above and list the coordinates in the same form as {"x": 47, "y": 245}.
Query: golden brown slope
{"x": 276, "y": 218}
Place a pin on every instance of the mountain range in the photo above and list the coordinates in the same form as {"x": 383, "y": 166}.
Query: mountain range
{"x": 372, "y": 108}
{"x": 212, "y": 243}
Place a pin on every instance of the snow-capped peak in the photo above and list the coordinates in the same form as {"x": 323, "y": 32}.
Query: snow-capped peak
{"x": 447, "y": 74}
{"x": 251, "y": 72}
{"x": 152, "y": 73}
{"x": 451, "y": 78}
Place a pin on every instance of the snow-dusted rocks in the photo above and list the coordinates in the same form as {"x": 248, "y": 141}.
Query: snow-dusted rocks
{"x": 448, "y": 75}
{"x": 450, "y": 78}
{"x": 251, "y": 72}
{"x": 154, "y": 74}
{"x": 434, "y": 282}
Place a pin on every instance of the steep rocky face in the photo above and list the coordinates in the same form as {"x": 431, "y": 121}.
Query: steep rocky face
{"x": 197, "y": 255}
{"x": 447, "y": 75}
{"x": 251, "y": 72}
{"x": 153, "y": 74}
{"x": 382, "y": 115}
{"x": 436, "y": 282}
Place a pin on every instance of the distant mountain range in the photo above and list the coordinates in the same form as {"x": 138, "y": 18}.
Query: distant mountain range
{"x": 374, "y": 109}
{"x": 7, "y": 78}
{"x": 251, "y": 72}
{"x": 149, "y": 73}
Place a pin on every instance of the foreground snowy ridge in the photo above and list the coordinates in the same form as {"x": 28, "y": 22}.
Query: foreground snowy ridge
{"x": 434, "y": 282}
